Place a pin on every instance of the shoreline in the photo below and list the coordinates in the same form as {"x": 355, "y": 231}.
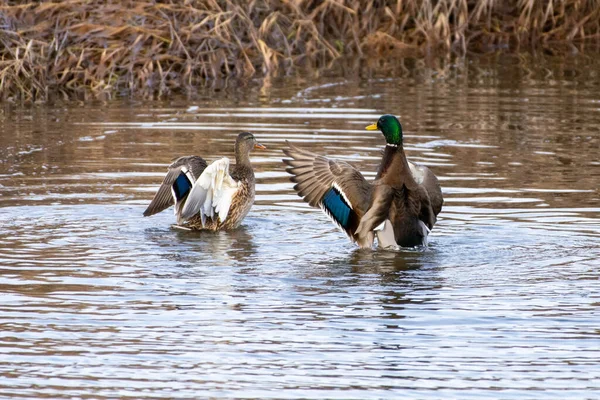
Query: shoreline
{"x": 130, "y": 47}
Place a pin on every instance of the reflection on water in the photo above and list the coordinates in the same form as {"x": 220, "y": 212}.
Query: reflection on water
{"x": 101, "y": 302}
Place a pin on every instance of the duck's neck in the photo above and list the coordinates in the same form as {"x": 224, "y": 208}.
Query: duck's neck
{"x": 394, "y": 169}
{"x": 243, "y": 171}
{"x": 242, "y": 158}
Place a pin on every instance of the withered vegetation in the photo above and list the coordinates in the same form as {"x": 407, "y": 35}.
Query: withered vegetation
{"x": 129, "y": 46}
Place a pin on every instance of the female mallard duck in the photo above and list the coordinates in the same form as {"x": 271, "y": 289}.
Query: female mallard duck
{"x": 208, "y": 196}
{"x": 400, "y": 205}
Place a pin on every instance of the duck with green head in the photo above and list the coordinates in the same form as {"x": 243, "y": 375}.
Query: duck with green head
{"x": 209, "y": 197}
{"x": 399, "y": 207}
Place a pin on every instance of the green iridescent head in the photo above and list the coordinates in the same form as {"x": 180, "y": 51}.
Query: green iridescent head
{"x": 390, "y": 127}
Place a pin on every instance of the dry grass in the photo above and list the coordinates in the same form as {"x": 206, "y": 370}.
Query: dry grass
{"x": 131, "y": 46}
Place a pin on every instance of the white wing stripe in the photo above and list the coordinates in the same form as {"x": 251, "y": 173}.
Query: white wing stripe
{"x": 339, "y": 189}
{"x": 189, "y": 174}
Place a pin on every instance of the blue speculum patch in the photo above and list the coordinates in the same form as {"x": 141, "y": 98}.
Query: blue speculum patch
{"x": 337, "y": 207}
{"x": 181, "y": 186}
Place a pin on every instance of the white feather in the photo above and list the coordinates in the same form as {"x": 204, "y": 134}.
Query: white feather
{"x": 386, "y": 238}
{"x": 418, "y": 172}
{"x": 212, "y": 193}
{"x": 385, "y": 235}
{"x": 425, "y": 231}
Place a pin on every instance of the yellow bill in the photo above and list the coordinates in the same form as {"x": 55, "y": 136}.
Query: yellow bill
{"x": 372, "y": 127}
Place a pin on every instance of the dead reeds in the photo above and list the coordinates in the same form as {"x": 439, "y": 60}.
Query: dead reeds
{"x": 131, "y": 46}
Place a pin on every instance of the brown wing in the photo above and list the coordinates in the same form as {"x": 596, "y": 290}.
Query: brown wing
{"x": 429, "y": 193}
{"x": 336, "y": 187}
{"x": 163, "y": 199}
{"x": 432, "y": 185}
{"x": 381, "y": 201}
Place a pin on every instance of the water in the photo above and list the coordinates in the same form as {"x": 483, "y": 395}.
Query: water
{"x": 99, "y": 302}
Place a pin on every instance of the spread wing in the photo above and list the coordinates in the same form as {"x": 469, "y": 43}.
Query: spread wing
{"x": 432, "y": 199}
{"x": 212, "y": 193}
{"x": 180, "y": 177}
{"x": 336, "y": 187}
{"x": 432, "y": 185}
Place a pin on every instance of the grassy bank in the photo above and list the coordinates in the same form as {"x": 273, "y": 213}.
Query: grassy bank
{"x": 135, "y": 46}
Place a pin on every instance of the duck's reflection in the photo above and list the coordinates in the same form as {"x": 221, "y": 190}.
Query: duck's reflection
{"x": 396, "y": 280}
{"x": 222, "y": 248}
{"x": 379, "y": 262}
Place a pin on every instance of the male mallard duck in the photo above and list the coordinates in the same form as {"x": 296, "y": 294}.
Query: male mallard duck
{"x": 400, "y": 205}
{"x": 208, "y": 196}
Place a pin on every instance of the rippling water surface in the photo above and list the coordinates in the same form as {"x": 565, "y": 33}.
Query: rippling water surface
{"x": 99, "y": 302}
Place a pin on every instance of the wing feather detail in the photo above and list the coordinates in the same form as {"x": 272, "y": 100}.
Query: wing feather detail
{"x": 212, "y": 193}
{"x": 191, "y": 166}
{"x": 163, "y": 199}
{"x": 334, "y": 186}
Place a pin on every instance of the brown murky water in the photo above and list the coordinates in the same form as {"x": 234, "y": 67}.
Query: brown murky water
{"x": 99, "y": 302}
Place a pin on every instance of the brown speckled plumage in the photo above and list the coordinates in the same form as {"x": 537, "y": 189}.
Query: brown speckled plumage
{"x": 242, "y": 199}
